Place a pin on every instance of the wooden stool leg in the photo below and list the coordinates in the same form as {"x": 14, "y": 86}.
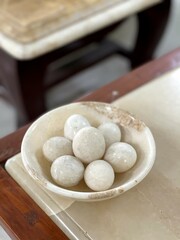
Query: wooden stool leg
{"x": 24, "y": 82}
{"x": 31, "y": 78}
{"x": 152, "y": 23}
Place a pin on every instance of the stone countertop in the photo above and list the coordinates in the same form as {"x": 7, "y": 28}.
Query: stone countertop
{"x": 30, "y": 28}
{"x": 148, "y": 211}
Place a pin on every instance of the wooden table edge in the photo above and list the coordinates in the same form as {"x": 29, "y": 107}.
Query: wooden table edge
{"x": 10, "y": 145}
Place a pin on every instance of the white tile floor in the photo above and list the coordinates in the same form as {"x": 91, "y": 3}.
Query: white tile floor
{"x": 96, "y": 76}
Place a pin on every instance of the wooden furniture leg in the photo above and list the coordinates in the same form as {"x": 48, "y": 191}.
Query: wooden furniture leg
{"x": 152, "y": 23}
{"x": 24, "y": 82}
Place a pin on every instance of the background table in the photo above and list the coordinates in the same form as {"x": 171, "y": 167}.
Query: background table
{"x": 23, "y": 219}
{"x": 38, "y": 39}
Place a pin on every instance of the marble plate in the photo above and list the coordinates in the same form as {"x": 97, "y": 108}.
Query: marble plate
{"x": 134, "y": 132}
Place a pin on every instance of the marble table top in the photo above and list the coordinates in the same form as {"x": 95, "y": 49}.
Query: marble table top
{"x": 148, "y": 211}
{"x": 31, "y": 28}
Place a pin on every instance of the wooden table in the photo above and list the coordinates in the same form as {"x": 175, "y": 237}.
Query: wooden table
{"x": 19, "y": 215}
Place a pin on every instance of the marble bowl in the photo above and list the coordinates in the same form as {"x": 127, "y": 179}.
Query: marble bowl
{"x": 134, "y": 132}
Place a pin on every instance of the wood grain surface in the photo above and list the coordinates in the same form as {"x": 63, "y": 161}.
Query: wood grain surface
{"x": 19, "y": 215}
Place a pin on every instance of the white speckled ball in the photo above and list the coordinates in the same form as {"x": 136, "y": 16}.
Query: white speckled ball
{"x": 122, "y": 156}
{"x": 111, "y": 132}
{"x": 99, "y": 175}
{"x": 89, "y": 144}
{"x": 57, "y": 146}
{"x": 67, "y": 171}
{"x": 73, "y": 124}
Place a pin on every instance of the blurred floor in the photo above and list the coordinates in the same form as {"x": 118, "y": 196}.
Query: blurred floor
{"x": 102, "y": 73}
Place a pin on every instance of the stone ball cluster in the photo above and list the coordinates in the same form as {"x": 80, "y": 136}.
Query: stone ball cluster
{"x": 92, "y": 153}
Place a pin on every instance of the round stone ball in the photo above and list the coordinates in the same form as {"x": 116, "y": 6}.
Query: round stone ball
{"x": 57, "y": 146}
{"x": 99, "y": 175}
{"x": 89, "y": 144}
{"x": 122, "y": 156}
{"x": 73, "y": 124}
{"x": 111, "y": 133}
{"x": 67, "y": 171}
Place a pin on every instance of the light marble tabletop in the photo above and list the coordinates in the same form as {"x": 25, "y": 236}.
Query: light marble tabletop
{"x": 148, "y": 211}
{"x": 29, "y": 28}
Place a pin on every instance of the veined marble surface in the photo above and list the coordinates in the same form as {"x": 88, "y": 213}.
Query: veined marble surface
{"x": 28, "y": 29}
{"x": 26, "y": 21}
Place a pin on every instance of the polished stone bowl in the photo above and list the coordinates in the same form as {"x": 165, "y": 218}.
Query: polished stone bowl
{"x": 134, "y": 132}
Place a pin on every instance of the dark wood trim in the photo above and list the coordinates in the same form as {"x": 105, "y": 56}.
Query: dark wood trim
{"x": 20, "y": 215}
